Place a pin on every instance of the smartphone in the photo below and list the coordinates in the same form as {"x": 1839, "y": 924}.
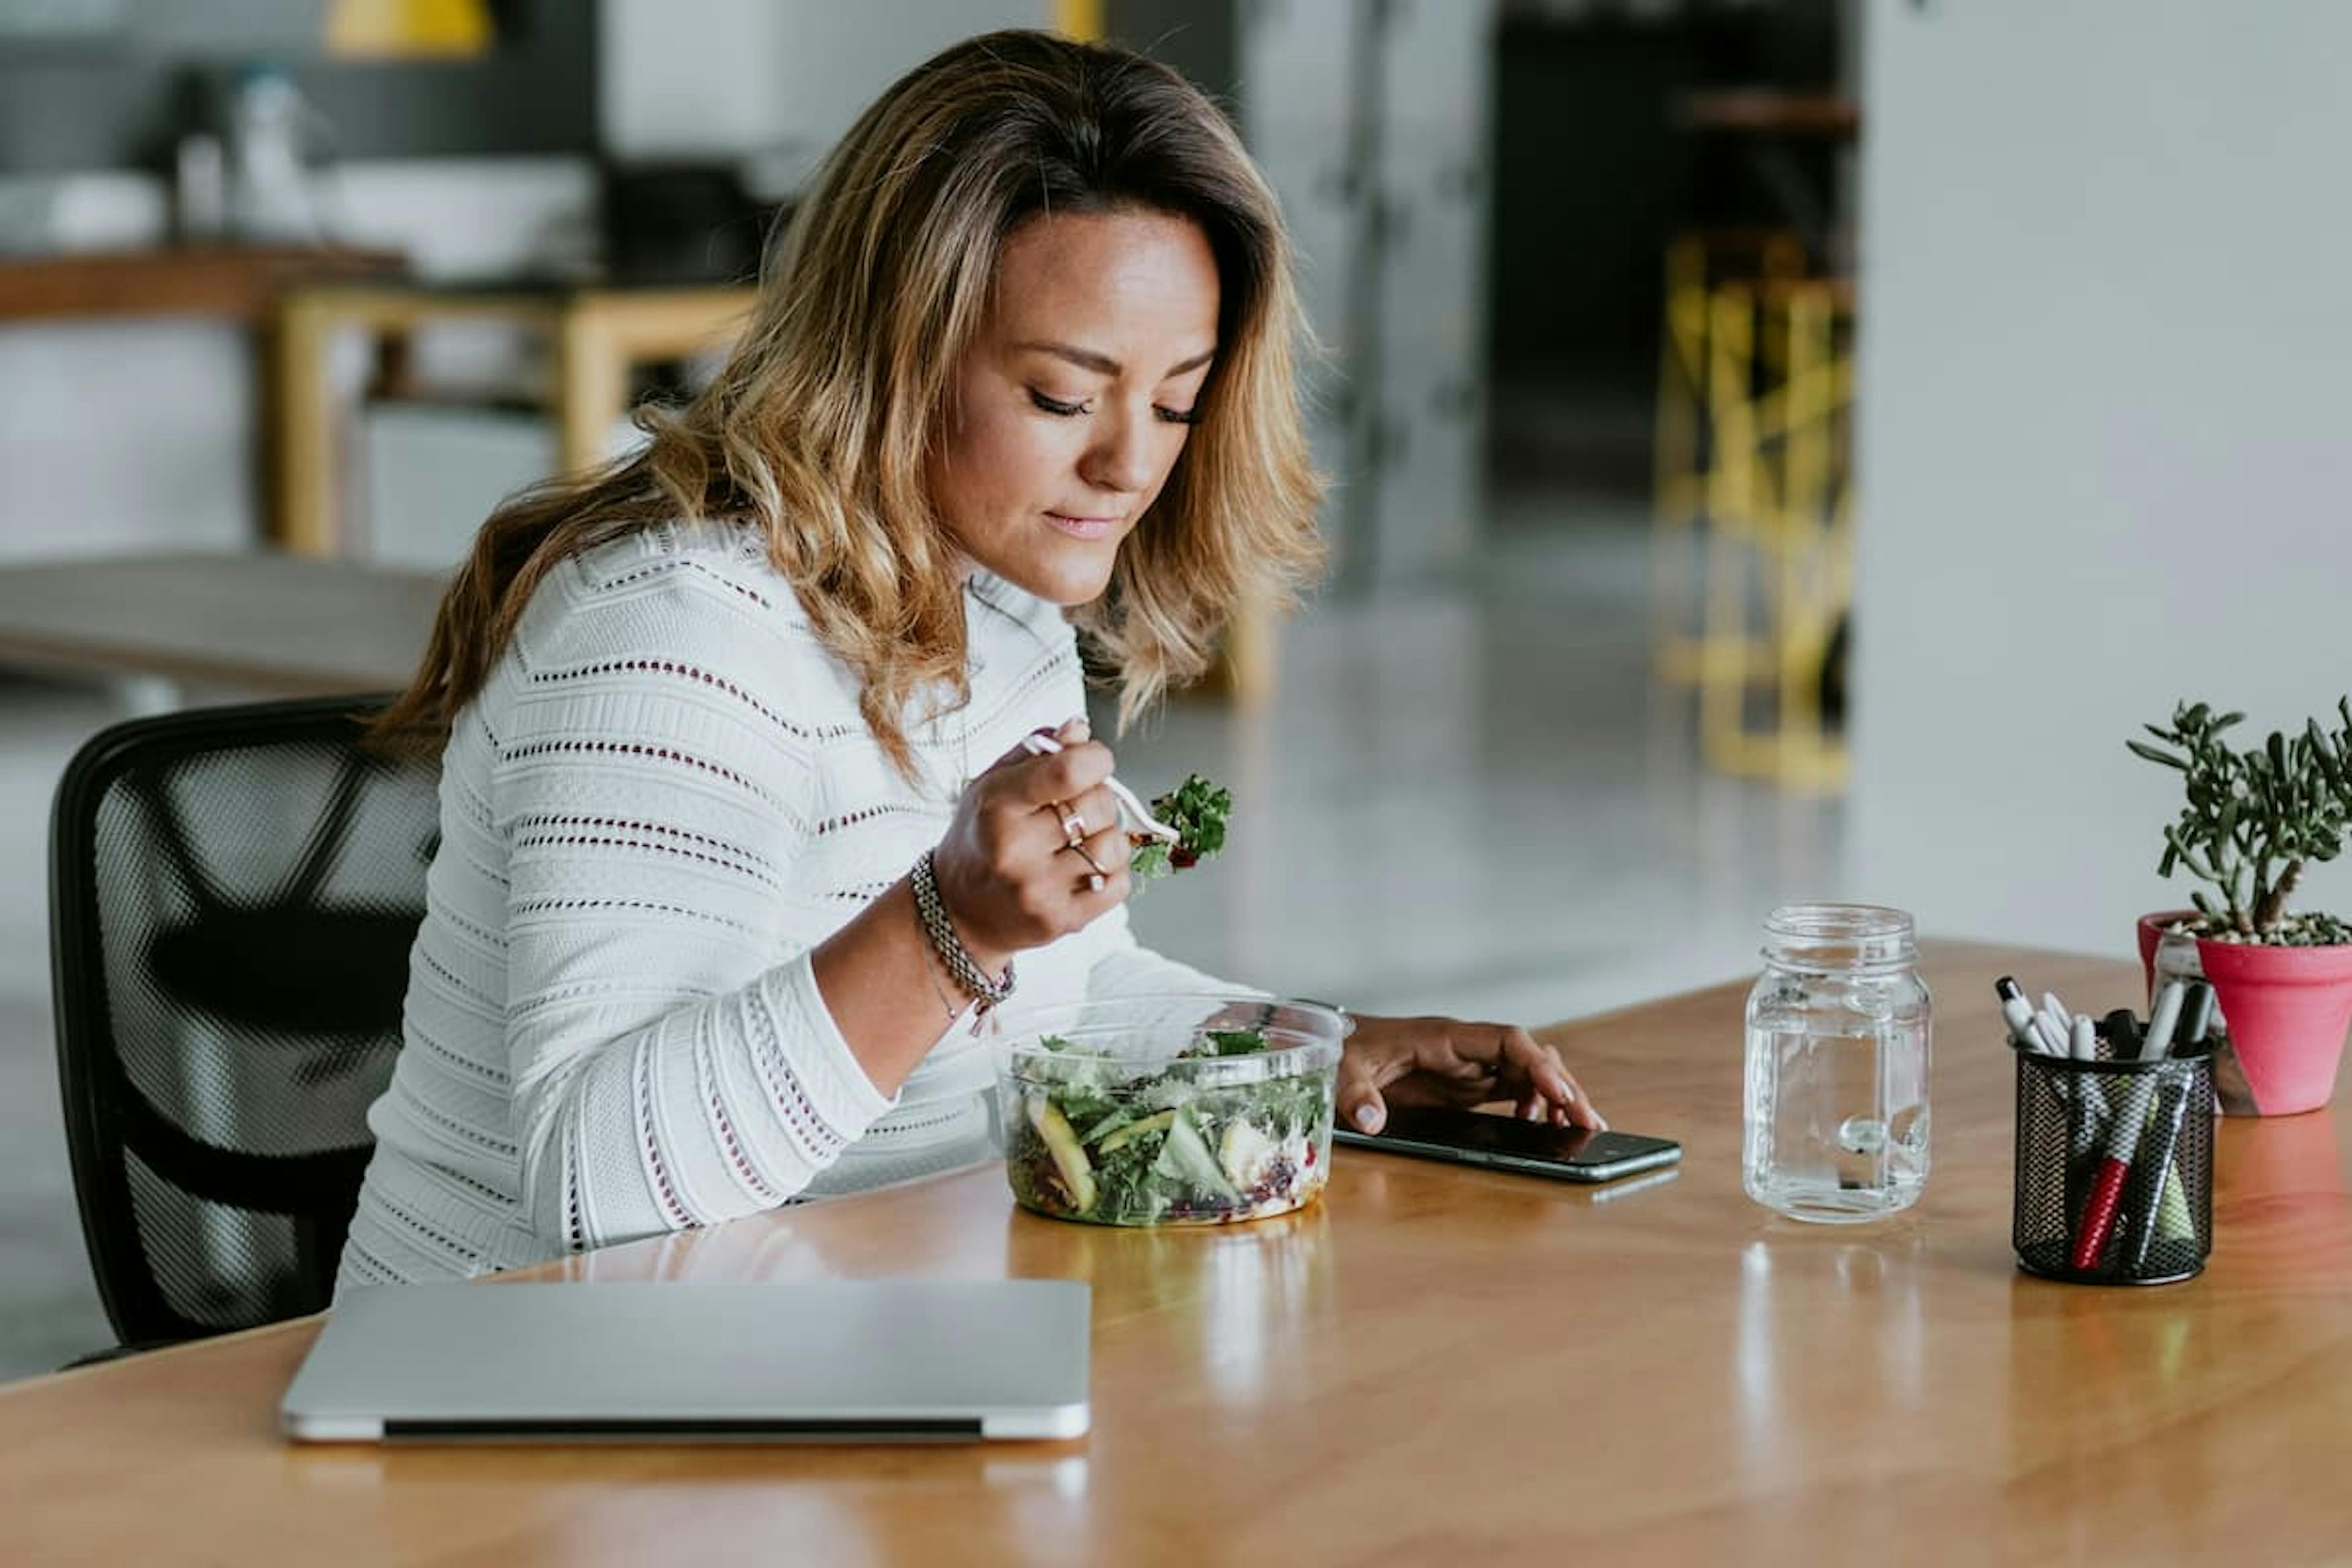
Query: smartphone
{"x": 1504, "y": 1142}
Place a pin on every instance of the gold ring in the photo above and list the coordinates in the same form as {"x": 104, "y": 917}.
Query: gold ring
{"x": 1096, "y": 867}
{"x": 1074, "y": 826}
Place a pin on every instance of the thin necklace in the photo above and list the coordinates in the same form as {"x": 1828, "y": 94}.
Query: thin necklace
{"x": 963, "y": 715}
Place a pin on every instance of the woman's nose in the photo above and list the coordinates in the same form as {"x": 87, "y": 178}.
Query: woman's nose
{"x": 1121, "y": 459}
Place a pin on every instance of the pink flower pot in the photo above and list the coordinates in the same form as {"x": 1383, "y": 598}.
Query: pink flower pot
{"x": 2286, "y": 1009}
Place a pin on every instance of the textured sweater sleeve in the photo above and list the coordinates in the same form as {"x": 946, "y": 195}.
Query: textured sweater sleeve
{"x": 672, "y": 1063}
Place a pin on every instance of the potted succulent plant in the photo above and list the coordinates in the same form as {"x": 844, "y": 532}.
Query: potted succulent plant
{"x": 2249, "y": 823}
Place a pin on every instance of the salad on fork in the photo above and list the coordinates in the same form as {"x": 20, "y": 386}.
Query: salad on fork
{"x": 1176, "y": 832}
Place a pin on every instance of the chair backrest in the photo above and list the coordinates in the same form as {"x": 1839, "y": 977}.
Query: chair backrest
{"x": 233, "y": 896}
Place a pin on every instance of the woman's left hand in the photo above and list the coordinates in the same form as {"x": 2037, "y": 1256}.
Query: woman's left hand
{"x": 1445, "y": 1061}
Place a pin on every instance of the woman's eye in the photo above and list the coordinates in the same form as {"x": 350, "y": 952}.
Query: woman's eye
{"x": 1179, "y": 416}
{"x": 1055, "y": 405}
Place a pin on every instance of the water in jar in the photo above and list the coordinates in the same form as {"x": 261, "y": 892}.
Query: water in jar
{"x": 1837, "y": 1095}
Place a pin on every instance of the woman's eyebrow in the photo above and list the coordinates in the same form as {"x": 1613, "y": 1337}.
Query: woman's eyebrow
{"x": 1103, "y": 364}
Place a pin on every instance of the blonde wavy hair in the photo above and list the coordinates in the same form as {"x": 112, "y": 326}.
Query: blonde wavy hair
{"x": 817, "y": 429}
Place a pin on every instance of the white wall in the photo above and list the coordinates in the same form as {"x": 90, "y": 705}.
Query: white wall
{"x": 680, "y": 78}
{"x": 2106, "y": 431}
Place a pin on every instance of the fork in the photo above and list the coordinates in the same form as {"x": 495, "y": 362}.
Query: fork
{"x": 1039, "y": 744}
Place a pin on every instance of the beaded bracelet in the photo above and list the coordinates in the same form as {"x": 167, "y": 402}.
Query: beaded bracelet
{"x": 962, "y": 968}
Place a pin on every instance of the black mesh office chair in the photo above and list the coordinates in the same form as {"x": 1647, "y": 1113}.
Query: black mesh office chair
{"x": 233, "y": 895}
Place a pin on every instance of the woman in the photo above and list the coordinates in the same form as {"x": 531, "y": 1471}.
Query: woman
{"x": 737, "y": 825}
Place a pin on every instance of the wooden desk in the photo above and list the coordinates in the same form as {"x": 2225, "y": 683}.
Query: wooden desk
{"x": 233, "y": 282}
{"x": 599, "y": 334}
{"x": 261, "y": 623}
{"x": 1433, "y": 1366}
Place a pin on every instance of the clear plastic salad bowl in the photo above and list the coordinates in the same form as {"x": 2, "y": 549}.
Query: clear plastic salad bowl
{"x": 1172, "y": 1110}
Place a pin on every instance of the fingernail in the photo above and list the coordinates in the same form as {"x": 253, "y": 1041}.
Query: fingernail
{"x": 1078, "y": 729}
{"x": 1368, "y": 1116}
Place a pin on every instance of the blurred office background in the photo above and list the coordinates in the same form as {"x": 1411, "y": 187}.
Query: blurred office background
{"x": 1783, "y": 446}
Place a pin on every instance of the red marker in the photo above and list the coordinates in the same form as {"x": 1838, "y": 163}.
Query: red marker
{"x": 2098, "y": 1221}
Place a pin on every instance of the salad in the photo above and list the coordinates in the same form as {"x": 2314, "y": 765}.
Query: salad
{"x": 1115, "y": 1142}
{"x": 1197, "y": 810}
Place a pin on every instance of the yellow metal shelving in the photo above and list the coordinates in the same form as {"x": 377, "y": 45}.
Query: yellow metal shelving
{"x": 1753, "y": 514}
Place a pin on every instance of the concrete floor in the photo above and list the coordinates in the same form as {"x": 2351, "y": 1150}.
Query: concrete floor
{"x": 1468, "y": 801}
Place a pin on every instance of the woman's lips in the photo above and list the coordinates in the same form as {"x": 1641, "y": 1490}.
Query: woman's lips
{"x": 1084, "y": 527}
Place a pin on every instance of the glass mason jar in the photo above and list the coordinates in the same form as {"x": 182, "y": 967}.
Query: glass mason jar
{"x": 1838, "y": 1028}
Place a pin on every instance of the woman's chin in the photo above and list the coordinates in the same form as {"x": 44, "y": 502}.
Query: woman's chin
{"x": 1066, "y": 583}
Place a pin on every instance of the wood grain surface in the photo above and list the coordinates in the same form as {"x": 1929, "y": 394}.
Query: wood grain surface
{"x": 1433, "y": 1366}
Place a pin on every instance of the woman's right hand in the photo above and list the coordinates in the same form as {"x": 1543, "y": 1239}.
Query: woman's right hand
{"x": 1007, "y": 870}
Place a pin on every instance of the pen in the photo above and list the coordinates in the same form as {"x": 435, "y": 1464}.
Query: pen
{"x": 2123, "y": 1033}
{"x": 2199, "y": 1015}
{"x": 2156, "y": 1203}
{"x": 2195, "y": 1016}
{"x": 2025, "y": 1030}
{"x": 2153, "y": 1199}
{"x": 2098, "y": 1219}
{"x": 2059, "y": 1021}
{"x": 2056, "y": 1022}
{"x": 2082, "y": 1041}
{"x": 2162, "y": 1019}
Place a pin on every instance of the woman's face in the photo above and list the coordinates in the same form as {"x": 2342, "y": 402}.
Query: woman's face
{"x": 1075, "y": 400}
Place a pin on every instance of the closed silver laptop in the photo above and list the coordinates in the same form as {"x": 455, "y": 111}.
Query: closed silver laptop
{"x": 830, "y": 1361}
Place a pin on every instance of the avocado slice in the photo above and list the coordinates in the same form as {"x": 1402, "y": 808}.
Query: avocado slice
{"x": 1135, "y": 1130}
{"x": 1107, "y": 1126}
{"x": 1062, "y": 1144}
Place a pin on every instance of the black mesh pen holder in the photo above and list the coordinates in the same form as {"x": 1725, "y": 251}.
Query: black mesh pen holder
{"x": 2114, "y": 1168}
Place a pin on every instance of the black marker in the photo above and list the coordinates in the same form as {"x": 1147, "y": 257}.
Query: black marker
{"x": 2196, "y": 1016}
{"x": 2122, "y": 1029}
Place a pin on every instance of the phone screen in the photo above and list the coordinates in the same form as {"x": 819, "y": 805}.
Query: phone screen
{"x": 1483, "y": 1137}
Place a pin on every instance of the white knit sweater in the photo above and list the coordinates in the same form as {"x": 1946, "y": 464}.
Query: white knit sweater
{"x": 661, "y": 800}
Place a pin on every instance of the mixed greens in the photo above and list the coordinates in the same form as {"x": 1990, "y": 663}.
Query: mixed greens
{"x": 1197, "y": 810}
{"x": 1090, "y": 1137}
